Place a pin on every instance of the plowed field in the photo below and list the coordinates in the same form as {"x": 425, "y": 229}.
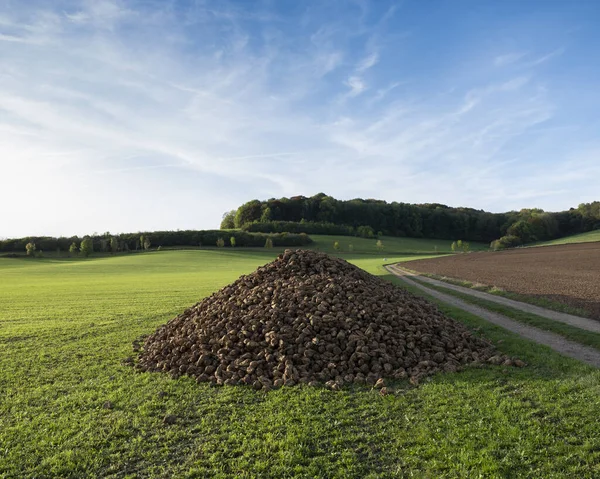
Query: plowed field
{"x": 568, "y": 273}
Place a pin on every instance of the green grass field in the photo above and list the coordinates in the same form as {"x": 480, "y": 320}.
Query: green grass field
{"x": 580, "y": 238}
{"x": 66, "y": 324}
{"x": 391, "y": 245}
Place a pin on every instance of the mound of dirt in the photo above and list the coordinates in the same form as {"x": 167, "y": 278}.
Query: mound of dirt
{"x": 310, "y": 318}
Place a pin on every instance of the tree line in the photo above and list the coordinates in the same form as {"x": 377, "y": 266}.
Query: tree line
{"x": 306, "y": 227}
{"x": 322, "y": 214}
{"x": 127, "y": 242}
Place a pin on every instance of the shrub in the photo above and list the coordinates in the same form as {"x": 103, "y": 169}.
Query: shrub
{"x": 220, "y": 242}
{"x": 365, "y": 232}
{"x": 508, "y": 241}
{"x": 30, "y": 248}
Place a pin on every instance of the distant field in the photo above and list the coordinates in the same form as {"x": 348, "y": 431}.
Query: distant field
{"x": 391, "y": 245}
{"x": 580, "y": 238}
{"x": 66, "y": 324}
{"x": 568, "y": 274}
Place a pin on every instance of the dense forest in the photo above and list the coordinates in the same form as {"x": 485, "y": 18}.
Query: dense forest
{"x": 144, "y": 241}
{"x": 322, "y": 214}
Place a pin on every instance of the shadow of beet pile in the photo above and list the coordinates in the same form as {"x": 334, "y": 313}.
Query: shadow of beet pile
{"x": 311, "y": 318}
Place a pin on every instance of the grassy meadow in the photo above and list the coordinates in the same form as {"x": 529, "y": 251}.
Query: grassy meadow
{"x": 66, "y": 324}
{"x": 391, "y": 245}
{"x": 588, "y": 237}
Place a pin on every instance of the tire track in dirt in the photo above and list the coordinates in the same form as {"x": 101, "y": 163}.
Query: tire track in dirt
{"x": 559, "y": 344}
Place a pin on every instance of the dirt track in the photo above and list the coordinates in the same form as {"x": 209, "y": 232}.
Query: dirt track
{"x": 569, "y": 274}
{"x": 561, "y": 345}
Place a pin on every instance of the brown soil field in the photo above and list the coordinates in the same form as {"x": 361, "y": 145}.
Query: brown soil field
{"x": 569, "y": 274}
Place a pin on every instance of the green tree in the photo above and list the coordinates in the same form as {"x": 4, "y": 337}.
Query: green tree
{"x": 220, "y": 242}
{"x": 247, "y": 213}
{"x": 73, "y": 249}
{"x": 265, "y": 217}
{"x": 466, "y": 247}
{"x": 228, "y": 221}
{"x": 269, "y": 243}
{"x": 142, "y": 240}
{"x": 365, "y": 232}
{"x": 524, "y": 230}
{"x": 336, "y": 245}
{"x": 454, "y": 246}
{"x": 232, "y": 241}
{"x": 87, "y": 246}
{"x": 30, "y": 248}
{"x": 114, "y": 244}
{"x": 379, "y": 245}
{"x": 147, "y": 243}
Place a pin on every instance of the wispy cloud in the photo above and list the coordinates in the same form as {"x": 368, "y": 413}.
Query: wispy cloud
{"x": 368, "y": 62}
{"x": 356, "y": 82}
{"x": 356, "y": 85}
{"x": 508, "y": 58}
{"x": 546, "y": 57}
{"x": 527, "y": 61}
{"x": 100, "y": 13}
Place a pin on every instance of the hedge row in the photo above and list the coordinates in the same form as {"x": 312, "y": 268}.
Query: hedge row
{"x": 131, "y": 241}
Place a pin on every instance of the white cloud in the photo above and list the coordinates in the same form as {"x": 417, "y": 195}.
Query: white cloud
{"x": 368, "y": 62}
{"x": 78, "y": 17}
{"x": 548, "y": 56}
{"x": 508, "y": 58}
{"x": 15, "y": 39}
{"x": 356, "y": 85}
{"x": 100, "y": 13}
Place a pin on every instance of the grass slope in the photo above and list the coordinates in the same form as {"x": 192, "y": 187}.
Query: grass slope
{"x": 588, "y": 237}
{"x": 391, "y": 245}
{"x": 66, "y": 324}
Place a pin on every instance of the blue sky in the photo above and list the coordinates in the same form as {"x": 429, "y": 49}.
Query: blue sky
{"x": 139, "y": 115}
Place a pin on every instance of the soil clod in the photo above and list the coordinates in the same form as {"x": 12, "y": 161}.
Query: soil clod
{"x": 170, "y": 419}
